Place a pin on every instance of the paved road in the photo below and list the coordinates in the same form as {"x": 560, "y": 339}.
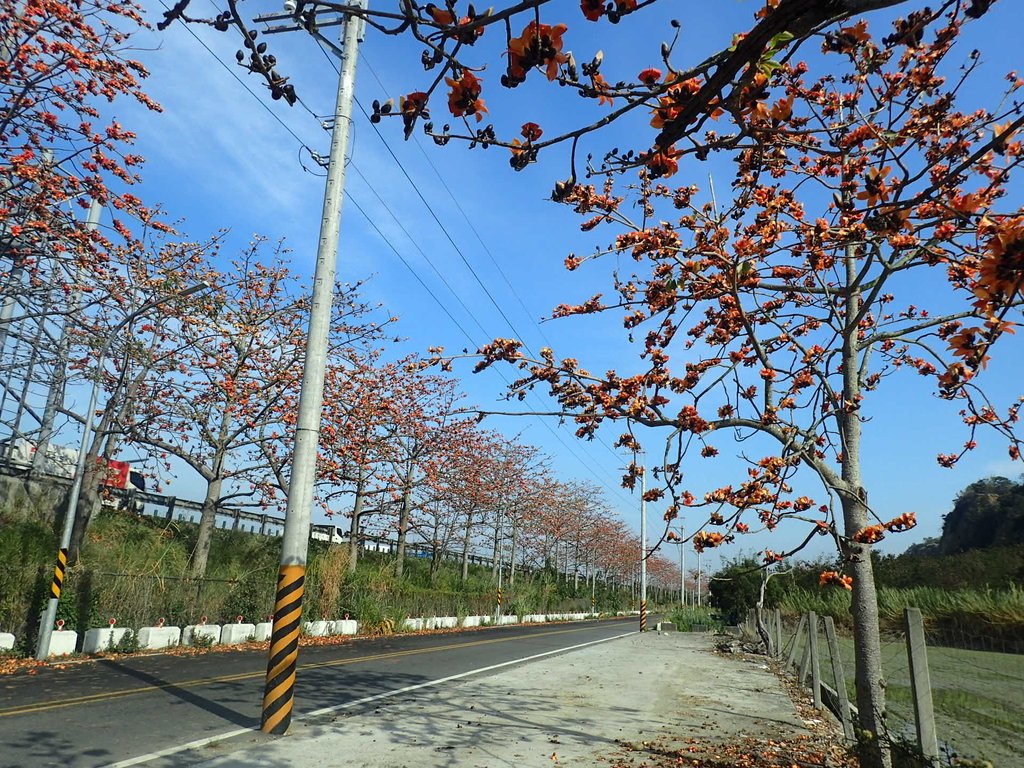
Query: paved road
{"x": 106, "y": 712}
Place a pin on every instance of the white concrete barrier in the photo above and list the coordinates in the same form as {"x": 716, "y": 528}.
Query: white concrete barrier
{"x": 345, "y": 627}
{"x": 99, "y": 640}
{"x": 63, "y": 642}
{"x": 508, "y": 619}
{"x": 232, "y": 634}
{"x": 159, "y": 637}
{"x": 6, "y": 641}
{"x": 471, "y": 621}
{"x": 263, "y": 631}
{"x": 534, "y": 618}
{"x": 317, "y": 628}
{"x": 442, "y": 622}
{"x": 192, "y": 632}
{"x": 413, "y": 625}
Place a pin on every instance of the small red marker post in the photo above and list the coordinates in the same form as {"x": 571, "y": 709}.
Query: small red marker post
{"x": 112, "y": 621}
{"x": 59, "y": 624}
{"x": 160, "y": 622}
{"x": 238, "y": 619}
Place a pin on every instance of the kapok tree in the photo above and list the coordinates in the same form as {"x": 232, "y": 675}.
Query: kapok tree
{"x": 792, "y": 317}
{"x": 61, "y": 65}
{"x": 236, "y": 386}
{"x": 866, "y": 236}
{"x": 354, "y": 445}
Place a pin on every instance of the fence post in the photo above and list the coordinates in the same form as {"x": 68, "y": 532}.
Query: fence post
{"x": 777, "y": 616}
{"x": 805, "y": 657}
{"x": 920, "y": 684}
{"x": 171, "y": 501}
{"x": 812, "y": 637}
{"x": 839, "y": 676}
{"x": 791, "y": 661}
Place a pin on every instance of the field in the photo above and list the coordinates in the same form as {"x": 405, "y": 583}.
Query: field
{"x": 978, "y": 698}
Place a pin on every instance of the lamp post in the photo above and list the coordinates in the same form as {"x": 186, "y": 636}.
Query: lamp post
{"x": 50, "y": 614}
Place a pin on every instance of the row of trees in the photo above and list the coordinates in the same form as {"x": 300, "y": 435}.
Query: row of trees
{"x": 205, "y": 386}
{"x": 870, "y": 230}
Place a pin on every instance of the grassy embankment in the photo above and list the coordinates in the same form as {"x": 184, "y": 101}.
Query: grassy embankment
{"x": 134, "y": 570}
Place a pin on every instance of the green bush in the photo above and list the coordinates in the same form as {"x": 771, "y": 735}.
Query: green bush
{"x": 736, "y": 588}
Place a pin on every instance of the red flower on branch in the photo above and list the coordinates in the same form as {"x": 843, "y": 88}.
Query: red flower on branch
{"x": 464, "y": 96}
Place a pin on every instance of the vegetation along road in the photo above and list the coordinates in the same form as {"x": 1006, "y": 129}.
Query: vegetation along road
{"x": 111, "y": 711}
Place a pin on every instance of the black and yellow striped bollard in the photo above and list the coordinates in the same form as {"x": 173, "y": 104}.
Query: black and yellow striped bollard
{"x": 278, "y": 696}
{"x": 58, "y": 573}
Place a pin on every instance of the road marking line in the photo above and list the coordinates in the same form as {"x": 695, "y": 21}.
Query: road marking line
{"x": 358, "y": 702}
{"x": 45, "y": 706}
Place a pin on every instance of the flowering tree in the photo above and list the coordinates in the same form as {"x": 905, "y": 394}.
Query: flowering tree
{"x": 59, "y": 64}
{"x": 142, "y": 272}
{"x": 354, "y": 445}
{"x": 863, "y": 189}
{"x": 791, "y": 303}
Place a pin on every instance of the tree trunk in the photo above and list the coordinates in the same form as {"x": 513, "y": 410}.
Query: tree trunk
{"x": 575, "y": 567}
{"x": 403, "y": 528}
{"x": 512, "y": 557}
{"x": 207, "y": 524}
{"x": 465, "y": 546}
{"x": 89, "y": 496}
{"x": 436, "y": 551}
{"x": 353, "y": 531}
{"x": 864, "y": 606}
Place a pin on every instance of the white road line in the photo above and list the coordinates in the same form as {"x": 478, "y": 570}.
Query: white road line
{"x": 358, "y": 702}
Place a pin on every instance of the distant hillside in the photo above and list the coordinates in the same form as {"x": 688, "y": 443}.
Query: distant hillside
{"x": 988, "y": 513}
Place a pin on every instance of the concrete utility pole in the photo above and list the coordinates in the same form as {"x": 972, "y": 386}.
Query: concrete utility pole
{"x": 682, "y": 569}
{"x": 279, "y": 691}
{"x": 699, "y": 599}
{"x": 643, "y": 550}
{"x": 50, "y": 613}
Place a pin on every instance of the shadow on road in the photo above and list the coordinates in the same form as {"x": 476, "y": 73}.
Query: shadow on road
{"x": 225, "y": 692}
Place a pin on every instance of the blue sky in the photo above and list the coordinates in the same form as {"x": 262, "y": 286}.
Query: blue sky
{"x": 220, "y": 157}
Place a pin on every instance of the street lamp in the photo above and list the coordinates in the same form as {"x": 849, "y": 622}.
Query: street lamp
{"x": 50, "y": 614}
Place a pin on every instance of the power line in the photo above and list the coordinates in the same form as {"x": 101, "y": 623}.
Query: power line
{"x": 302, "y": 145}
{"x": 465, "y": 216}
{"x": 469, "y": 221}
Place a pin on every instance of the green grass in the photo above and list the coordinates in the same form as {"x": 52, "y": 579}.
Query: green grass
{"x": 982, "y": 619}
{"x": 135, "y": 570}
{"x": 687, "y": 618}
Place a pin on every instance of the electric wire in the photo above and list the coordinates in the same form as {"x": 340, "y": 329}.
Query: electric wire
{"x": 465, "y": 216}
{"x": 600, "y": 439}
{"x": 304, "y": 145}
{"x": 429, "y": 207}
{"x": 465, "y": 261}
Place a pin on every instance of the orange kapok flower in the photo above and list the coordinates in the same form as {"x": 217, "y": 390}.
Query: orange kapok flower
{"x": 649, "y": 76}
{"x": 464, "y": 96}
{"x": 663, "y": 163}
{"x": 531, "y": 131}
{"x": 540, "y": 45}
{"x": 832, "y": 578}
{"x": 592, "y": 9}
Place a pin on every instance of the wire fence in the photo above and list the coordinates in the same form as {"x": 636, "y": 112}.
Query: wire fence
{"x": 977, "y": 695}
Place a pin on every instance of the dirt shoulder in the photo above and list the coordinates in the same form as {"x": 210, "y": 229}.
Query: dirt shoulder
{"x": 643, "y": 700}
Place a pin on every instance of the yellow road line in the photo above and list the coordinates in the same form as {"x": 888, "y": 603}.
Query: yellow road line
{"x": 44, "y": 706}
